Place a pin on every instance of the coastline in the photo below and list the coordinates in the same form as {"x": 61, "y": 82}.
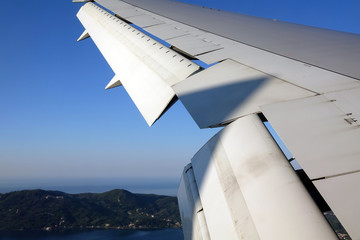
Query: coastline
{"x": 55, "y": 211}
{"x": 96, "y": 234}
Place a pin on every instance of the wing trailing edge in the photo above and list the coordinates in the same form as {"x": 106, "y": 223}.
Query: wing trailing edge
{"x": 146, "y": 67}
{"x": 244, "y": 179}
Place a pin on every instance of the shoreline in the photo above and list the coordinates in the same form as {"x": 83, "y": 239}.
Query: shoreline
{"x": 84, "y": 229}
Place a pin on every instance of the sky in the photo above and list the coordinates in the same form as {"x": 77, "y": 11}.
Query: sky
{"x": 58, "y": 122}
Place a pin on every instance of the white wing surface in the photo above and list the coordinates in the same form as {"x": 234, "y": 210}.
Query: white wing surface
{"x": 303, "y": 80}
{"x": 145, "y": 67}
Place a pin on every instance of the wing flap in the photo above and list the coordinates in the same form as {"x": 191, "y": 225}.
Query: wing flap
{"x": 147, "y": 68}
{"x": 230, "y": 90}
{"x": 323, "y": 133}
{"x": 191, "y": 210}
{"x": 245, "y": 180}
{"x": 213, "y": 197}
{"x": 342, "y": 194}
{"x": 333, "y": 131}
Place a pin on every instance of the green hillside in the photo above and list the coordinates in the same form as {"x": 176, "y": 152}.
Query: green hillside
{"x": 53, "y": 210}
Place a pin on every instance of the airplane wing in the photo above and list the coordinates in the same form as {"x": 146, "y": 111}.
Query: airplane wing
{"x": 303, "y": 80}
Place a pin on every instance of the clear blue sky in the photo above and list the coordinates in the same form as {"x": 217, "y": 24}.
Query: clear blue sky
{"x": 57, "y": 121}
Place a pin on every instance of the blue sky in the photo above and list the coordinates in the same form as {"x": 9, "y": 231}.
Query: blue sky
{"x": 58, "y": 122}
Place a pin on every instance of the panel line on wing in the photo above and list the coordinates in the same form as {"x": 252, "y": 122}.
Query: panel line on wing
{"x": 335, "y": 175}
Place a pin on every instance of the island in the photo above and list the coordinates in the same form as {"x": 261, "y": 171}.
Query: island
{"x": 33, "y": 210}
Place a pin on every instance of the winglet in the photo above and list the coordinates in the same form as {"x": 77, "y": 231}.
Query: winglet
{"x": 115, "y": 82}
{"x": 84, "y": 35}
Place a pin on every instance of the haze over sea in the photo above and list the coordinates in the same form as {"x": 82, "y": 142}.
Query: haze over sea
{"x": 160, "y": 186}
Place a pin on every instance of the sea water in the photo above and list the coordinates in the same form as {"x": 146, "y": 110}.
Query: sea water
{"x": 165, "y": 234}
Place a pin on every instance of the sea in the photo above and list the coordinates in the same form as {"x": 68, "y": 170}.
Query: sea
{"x": 164, "y": 234}
{"x": 161, "y": 186}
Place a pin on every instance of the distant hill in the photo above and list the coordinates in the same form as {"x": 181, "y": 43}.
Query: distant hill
{"x": 57, "y": 211}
